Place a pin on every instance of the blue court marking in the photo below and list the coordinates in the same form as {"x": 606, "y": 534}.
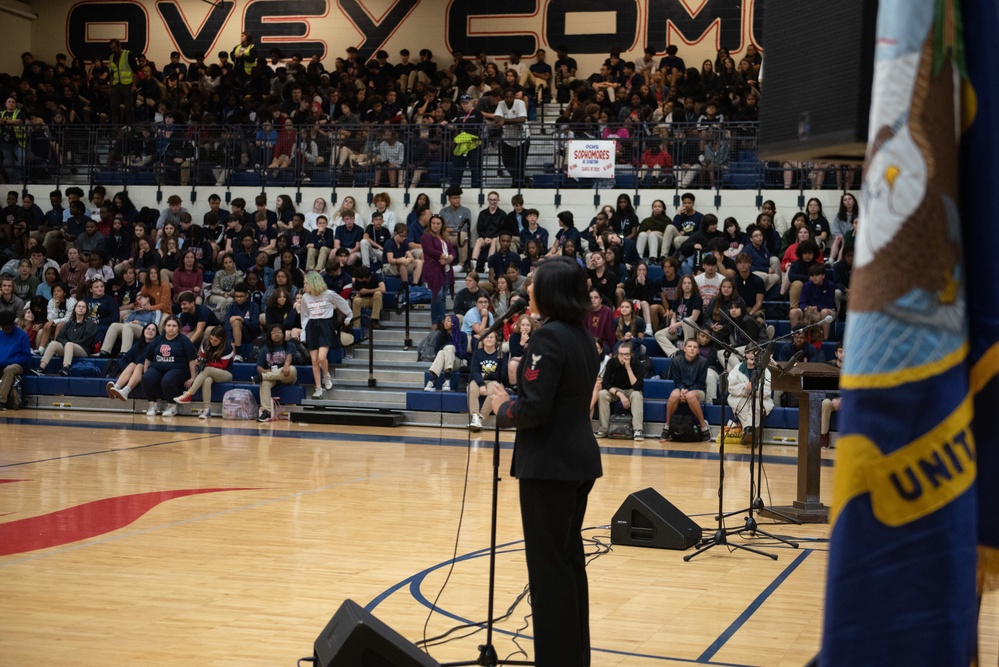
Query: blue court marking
{"x": 358, "y": 437}
{"x": 415, "y": 583}
{"x": 52, "y": 551}
{"x": 753, "y": 606}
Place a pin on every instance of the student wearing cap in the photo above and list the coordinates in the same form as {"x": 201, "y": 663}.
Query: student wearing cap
{"x": 469, "y": 126}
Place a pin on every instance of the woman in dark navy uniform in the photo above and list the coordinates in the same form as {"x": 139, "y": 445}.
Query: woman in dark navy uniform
{"x": 556, "y": 459}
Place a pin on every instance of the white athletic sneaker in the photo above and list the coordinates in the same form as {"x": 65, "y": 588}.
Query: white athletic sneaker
{"x": 476, "y": 423}
{"x": 430, "y": 386}
{"x": 206, "y": 413}
{"x": 170, "y": 411}
{"x": 151, "y": 410}
{"x": 318, "y": 393}
{"x": 328, "y": 382}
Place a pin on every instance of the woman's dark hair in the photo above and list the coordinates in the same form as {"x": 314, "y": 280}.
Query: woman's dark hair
{"x": 273, "y": 301}
{"x": 214, "y": 352}
{"x": 268, "y": 340}
{"x": 560, "y": 290}
{"x": 843, "y": 214}
{"x": 816, "y": 200}
{"x": 731, "y": 221}
{"x": 141, "y": 341}
{"x": 420, "y": 202}
{"x": 167, "y": 320}
{"x": 183, "y": 256}
{"x": 39, "y": 307}
{"x": 808, "y": 246}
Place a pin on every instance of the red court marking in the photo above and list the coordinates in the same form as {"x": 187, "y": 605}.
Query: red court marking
{"x": 84, "y": 521}
{"x": 8, "y": 481}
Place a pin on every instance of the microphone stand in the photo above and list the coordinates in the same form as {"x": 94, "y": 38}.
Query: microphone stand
{"x": 758, "y": 396}
{"x": 720, "y": 537}
{"x": 487, "y": 652}
{"x": 750, "y": 523}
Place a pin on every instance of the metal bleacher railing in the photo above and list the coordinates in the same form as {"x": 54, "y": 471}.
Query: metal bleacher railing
{"x": 722, "y": 156}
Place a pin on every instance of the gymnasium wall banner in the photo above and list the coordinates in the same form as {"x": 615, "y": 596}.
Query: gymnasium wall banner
{"x": 589, "y": 29}
{"x": 591, "y": 159}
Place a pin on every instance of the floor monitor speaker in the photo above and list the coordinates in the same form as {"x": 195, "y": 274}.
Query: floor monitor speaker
{"x": 355, "y": 638}
{"x": 818, "y": 69}
{"x": 646, "y": 519}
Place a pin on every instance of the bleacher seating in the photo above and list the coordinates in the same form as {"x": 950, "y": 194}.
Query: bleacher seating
{"x": 59, "y": 385}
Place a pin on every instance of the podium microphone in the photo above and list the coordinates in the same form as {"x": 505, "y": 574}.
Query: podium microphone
{"x": 828, "y": 319}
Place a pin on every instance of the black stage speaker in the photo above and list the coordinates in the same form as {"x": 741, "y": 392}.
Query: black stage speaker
{"x": 818, "y": 69}
{"x": 355, "y": 638}
{"x": 646, "y": 519}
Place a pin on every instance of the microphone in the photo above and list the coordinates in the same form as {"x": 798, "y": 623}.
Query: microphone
{"x": 828, "y": 319}
{"x": 516, "y": 308}
{"x": 788, "y": 365}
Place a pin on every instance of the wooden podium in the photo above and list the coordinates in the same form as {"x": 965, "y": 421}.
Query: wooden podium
{"x": 811, "y": 383}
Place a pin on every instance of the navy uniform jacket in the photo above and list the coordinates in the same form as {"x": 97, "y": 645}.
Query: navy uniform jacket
{"x": 552, "y": 412}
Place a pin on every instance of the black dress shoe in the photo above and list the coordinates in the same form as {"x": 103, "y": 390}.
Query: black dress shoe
{"x": 40, "y": 372}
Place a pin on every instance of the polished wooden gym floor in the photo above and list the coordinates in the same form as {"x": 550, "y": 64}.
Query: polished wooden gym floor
{"x": 152, "y": 541}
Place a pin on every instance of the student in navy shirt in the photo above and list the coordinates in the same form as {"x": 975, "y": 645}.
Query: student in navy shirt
{"x": 336, "y": 277}
{"x": 818, "y": 295}
{"x": 349, "y": 236}
{"x": 265, "y": 235}
{"x": 133, "y": 362}
{"x": 242, "y": 318}
{"x": 274, "y": 366}
{"x": 101, "y": 308}
{"x": 533, "y": 231}
{"x": 195, "y": 318}
{"x": 319, "y": 244}
{"x": 398, "y": 260}
{"x": 246, "y": 256}
{"x": 502, "y": 258}
{"x": 170, "y": 367}
{"x": 567, "y": 232}
{"x": 415, "y": 237}
{"x": 487, "y": 369}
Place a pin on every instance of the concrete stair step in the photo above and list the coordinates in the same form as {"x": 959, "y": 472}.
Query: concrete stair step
{"x": 409, "y": 378}
{"x": 360, "y": 397}
{"x": 382, "y": 384}
{"x": 386, "y": 354}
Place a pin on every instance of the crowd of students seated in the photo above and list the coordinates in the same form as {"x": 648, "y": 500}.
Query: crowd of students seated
{"x": 271, "y": 113}
{"x": 100, "y": 276}
{"x": 711, "y": 287}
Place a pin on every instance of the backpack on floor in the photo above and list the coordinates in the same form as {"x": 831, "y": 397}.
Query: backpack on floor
{"x": 427, "y": 349}
{"x": 417, "y": 294}
{"x": 684, "y": 428}
{"x": 85, "y": 369}
{"x": 239, "y": 404}
{"x": 619, "y": 427}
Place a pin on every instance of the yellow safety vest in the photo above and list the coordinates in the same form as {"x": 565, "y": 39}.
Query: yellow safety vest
{"x": 121, "y": 72}
{"x": 20, "y": 132}
{"x": 244, "y": 52}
